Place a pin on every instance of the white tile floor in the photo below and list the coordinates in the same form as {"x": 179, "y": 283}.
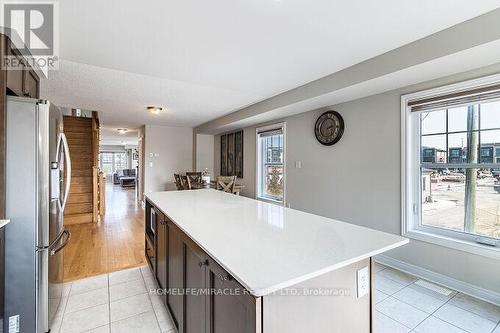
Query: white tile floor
{"x": 120, "y": 302}
{"x": 115, "y": 302}
{"x": 403, "y": 306}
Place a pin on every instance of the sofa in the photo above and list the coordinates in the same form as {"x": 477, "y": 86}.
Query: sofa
{"x": 129, "y": 174}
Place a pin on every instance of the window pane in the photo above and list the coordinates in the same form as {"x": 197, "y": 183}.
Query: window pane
{"x": 490, "y": 115}
{"x": 443, "y": 194}
{"x": 120, "y": 161}
{"x": 457, "y": 119}
{"x": 434, "y": 149}
{"x": 107, "y": 163}
{"x": 271, "y": 168}
{"x": 457, "y": 148}
{"x": 433, "y": 122}
{"x": 487, "y": 205}
{"x": 490, "y": 146}
{"x": 466, "y": 201}
{"x": 273, "y": 187}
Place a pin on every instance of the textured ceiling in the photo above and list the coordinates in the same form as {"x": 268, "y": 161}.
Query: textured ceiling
{"x": 110, "y": 136}
{"x": 203, "y": 59}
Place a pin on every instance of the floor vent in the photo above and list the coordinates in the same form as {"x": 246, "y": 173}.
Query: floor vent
{"x": 434, "y": 287}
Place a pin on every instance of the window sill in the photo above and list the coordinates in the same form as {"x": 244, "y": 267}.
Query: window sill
{"x": 277, "y": 202}
{"x": 457, "y": 244}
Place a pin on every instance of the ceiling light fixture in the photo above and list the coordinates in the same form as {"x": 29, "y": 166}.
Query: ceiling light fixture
{"x": 154, "y": 109}
{"x": 122, "y": 130}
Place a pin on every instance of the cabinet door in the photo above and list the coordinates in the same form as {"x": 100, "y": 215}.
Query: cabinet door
{"x": 161, "y": 250}
{"x": 15, "y": 81}
{"x": 225, "y": 313}
{"x": 195, "y": 262}
{"x": 175, "y": 275}
{"x": 150, "y": 254}
{"x": 15, "y": 77}
{"x": 149, "y": 227}
{"x": 31, "y": 84}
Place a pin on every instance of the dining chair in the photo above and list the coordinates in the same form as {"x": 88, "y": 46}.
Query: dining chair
{"x": 226, "y": 183}
{"x": 178, "y": 182}
{"x": 185, "y": 183}
{"x": 193, "y": 179}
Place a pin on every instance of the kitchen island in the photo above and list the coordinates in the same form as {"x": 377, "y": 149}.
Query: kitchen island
{"x": 233, "y": 264}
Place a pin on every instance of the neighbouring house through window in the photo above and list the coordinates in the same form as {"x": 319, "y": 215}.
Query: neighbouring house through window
{"x": 271, "y": 163}
{"x": 451, "y": 166}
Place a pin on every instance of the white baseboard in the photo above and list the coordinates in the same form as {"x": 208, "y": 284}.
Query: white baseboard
{"x": 446, "y": 281}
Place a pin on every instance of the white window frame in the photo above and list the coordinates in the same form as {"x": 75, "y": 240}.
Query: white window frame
{"x": 258, "y": 159}
{"x": 410, "y": 177}
{"x": 113, "y": 152}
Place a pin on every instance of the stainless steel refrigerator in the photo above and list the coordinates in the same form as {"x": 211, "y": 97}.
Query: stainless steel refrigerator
{"x": 38, "y": 177}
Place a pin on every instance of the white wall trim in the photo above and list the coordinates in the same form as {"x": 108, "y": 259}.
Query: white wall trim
{"x": 457, "y": 243}
{"x": 461, "y": 286}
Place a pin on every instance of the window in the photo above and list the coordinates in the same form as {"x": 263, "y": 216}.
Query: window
{"x": 271, "y": 163}
{"x": 120, "y": 161}
{"x": 111, "y": 162}
{"x": 451, "y": 184}
{"x": 107, "y": 163}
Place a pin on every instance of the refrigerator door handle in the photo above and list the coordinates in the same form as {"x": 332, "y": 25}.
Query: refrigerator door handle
{"x": 63, "y": 245}
{"x": 64, "y": 142}
{"x": 55, "y": 241}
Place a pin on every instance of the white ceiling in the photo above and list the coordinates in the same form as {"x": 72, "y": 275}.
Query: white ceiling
{"x": 203, "y": 59}
{"x": 110, "y": 136}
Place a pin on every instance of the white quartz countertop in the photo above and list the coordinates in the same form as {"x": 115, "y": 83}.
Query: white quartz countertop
{"x": 267, "y": 247}
{"x": 3, "y": 223}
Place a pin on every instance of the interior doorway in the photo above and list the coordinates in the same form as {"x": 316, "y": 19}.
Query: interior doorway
{"x": 116, "y": 241}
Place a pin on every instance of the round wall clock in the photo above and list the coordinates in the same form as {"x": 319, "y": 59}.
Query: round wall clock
{"x": 329, "y": 128}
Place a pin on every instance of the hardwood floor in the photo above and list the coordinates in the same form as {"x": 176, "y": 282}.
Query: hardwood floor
{"x": 113, "y": 244}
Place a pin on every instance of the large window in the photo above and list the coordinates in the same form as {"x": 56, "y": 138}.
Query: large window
{"x": 451, "y": 167}
{"x": 111, "y": 162}
{"x": 271, "y": 163}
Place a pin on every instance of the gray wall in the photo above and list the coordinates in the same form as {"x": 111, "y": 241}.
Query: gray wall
{"x": 168, "y": 150}
{"x": 204, "y": 153}
{"x": 358, "y": 180}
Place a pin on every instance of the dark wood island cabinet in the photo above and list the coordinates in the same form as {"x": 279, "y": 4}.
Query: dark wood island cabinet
{"x": 229, "y": 264}
{"x": 187, "y": 275}
{"x": 161, "y": 242}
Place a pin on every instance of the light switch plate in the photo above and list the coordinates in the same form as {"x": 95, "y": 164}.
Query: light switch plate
{"x": 363, "y": 281}
{"x": 14, "y": 324}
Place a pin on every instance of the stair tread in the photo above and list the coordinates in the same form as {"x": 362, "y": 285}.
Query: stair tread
{"x": 80, "y": 136}
{"x": 78, "y": 218}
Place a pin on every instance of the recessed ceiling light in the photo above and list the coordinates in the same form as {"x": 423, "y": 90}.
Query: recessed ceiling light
{"x": 154, "y": 109}
{"x": 122, "y": 130}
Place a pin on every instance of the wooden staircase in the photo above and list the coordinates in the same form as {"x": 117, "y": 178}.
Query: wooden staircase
{"x": 82, "y": 141}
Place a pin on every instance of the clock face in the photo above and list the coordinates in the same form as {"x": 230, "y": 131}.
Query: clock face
{"x": 329, "y": 128}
